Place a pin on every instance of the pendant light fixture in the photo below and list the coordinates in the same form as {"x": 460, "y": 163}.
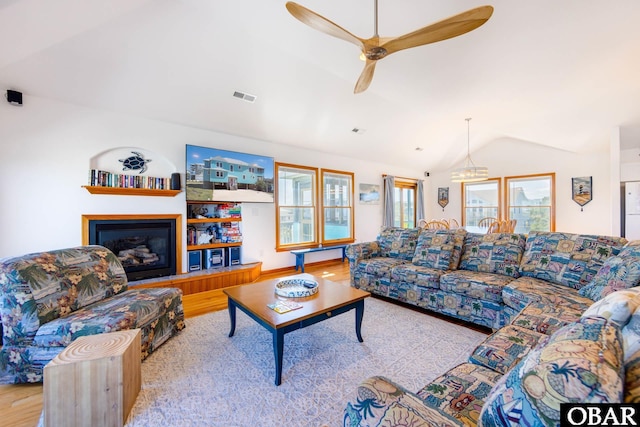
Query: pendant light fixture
{"x": 470, "y": 172}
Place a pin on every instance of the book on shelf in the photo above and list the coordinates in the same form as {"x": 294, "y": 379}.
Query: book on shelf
{"x": 284, "y": 306}
{"x": 100, "y": 178}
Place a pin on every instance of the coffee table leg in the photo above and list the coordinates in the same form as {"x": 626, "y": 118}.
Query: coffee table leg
{"x": 278, "y": 348}
{"x": 232, "y": 316}
{"x": 359, "y": 315}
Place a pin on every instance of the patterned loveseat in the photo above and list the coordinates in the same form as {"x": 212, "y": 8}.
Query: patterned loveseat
{"x": 48, "y": 299}
{"x": 554, "y": 351}
{"x": 486, "y": 279}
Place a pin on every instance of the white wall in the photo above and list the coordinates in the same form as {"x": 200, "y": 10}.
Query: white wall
{"x": 45, "y": 152}
{"x": 47, "y": 146}
{"x": 512, "y": 157}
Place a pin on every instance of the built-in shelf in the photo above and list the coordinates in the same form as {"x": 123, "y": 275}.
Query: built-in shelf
{"x": 212, "y": 245}
{"x": 131, "y": 191}
{"x": 204, "y": 220}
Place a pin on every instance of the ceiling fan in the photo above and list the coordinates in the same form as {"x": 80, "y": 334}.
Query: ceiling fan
{"x": 376, "y": 47}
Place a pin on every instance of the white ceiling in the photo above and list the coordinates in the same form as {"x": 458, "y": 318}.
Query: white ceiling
{"x": 557, "y": 73}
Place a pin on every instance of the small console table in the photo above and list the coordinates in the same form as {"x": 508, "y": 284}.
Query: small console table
{"x": 299, "y": 253}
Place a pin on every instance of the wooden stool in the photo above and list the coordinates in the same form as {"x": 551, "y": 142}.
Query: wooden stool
{"x": 94, "y": 381}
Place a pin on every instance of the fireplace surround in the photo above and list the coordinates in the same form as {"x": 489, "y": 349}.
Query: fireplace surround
{"x": 148, "y": 246}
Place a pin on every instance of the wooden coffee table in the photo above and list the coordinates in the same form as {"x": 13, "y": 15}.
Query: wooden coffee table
{"x": 330, "y": 300}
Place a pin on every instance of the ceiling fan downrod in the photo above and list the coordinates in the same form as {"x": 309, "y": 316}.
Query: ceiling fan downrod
{"x": 376, "y": 52}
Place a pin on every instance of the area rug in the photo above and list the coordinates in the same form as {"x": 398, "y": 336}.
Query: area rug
{"x": 204, "y": 378}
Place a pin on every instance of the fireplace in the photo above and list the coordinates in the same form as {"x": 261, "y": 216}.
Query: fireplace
{"x": 148, "y": 246}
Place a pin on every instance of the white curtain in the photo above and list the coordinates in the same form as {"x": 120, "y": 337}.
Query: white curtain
{"x": 389, "y": 188}
{"x": 420, "y": 201}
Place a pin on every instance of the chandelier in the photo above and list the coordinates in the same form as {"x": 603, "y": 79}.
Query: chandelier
{"x": 469, "y": 172}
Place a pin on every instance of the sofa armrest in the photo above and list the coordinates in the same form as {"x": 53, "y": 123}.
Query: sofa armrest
{"x": 381, "y": 402}
{"x": 366, "y": 250}
{"x": 356, "y": 252}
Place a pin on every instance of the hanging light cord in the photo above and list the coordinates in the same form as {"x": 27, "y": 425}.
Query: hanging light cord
{"x": 469, "y": 161}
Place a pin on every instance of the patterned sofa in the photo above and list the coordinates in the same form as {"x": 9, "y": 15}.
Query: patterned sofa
{"x": 48, "y": 299}
{"x": 553, "y": 351}
{"x": 486, "y": 279}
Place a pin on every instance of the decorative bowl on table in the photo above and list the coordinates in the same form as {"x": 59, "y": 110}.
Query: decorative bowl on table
{"x": 296, "y": 288}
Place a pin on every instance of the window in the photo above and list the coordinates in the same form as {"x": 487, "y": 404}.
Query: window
{"x": 480, "y": 200}
{"x": 337, "y": 206}
{"x": 296, "y": 213}
{"x": 301, "y": 212}
{"x": 530, "y": 200}
{"x": 404, "y": 203}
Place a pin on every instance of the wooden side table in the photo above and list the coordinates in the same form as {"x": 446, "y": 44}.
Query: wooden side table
{"x": 94, "y": 381}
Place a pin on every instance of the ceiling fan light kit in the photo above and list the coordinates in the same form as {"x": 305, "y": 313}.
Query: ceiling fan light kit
{"x": 376, "y": 47}
{"x": 469, "y": 172}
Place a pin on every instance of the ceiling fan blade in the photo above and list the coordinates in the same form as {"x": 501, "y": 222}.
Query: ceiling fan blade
{"x": 365, "y": 77}
{"x": 441, "y": 30}
{"x": 321, "y": 23}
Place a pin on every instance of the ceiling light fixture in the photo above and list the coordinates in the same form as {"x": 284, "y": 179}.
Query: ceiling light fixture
{"x": 470, "y": 172}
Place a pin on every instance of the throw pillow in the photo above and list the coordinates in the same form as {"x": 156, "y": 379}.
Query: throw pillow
{"x": 632, "y": 378}
{"x": 396, "y": 242}
{"x": 631, "y": 249}
{"x": 616, "y": 307}
{"x": 566, "y": 258}
{"x": 434, "y": 249}
{"x": 618, "y": 272}
{"x": 581, "y": 362}
{"x": 459, "y": 235}
{"x": 498, "y": 253}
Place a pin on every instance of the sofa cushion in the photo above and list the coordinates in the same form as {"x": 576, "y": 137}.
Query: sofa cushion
{"x": 378, "y": 267}
{"x": 434, "y": 249}
{"x": 565, "y": 258}
{"x": 525, "y": 290}
{"x": 460, "y": 392}
{"x": 415, "y": 275}
{"x": 616, "y": 307}
{"x": 129, "y": 310}
{"x": 484, "y": 286}
{"x": 618, "y": 272}
{"x": 65, "y": 280}
{"x": 498, "y": 253}
{"x": 505, "y": 347}
{"x": 545, "y": 318}
{"x": 582, "y": 362}
{"x": 398, "y": 242}
{"x": 381, "y": 402}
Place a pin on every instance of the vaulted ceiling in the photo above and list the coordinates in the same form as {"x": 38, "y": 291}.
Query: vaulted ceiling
{"x": 557, "y": 73}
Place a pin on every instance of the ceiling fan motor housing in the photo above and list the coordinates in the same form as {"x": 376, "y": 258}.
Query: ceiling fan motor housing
{"x": 376, "y": 53}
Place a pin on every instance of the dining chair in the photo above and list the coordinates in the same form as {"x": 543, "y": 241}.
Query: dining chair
{"x": 436, "y": 225}
{"x": 486, "y": 222}
{"x": 494, "y": 227}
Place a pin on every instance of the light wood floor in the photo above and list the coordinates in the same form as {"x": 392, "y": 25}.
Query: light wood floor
{"x": 21, "y": 404}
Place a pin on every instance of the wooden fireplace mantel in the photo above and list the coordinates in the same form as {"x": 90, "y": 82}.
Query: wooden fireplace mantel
{"x": 176, "y": 217}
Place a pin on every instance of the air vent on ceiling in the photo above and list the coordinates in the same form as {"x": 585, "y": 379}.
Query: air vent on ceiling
{"x": 245, "y": 96}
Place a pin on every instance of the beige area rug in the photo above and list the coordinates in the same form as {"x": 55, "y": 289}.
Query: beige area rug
{"x": 204, "y": 378}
